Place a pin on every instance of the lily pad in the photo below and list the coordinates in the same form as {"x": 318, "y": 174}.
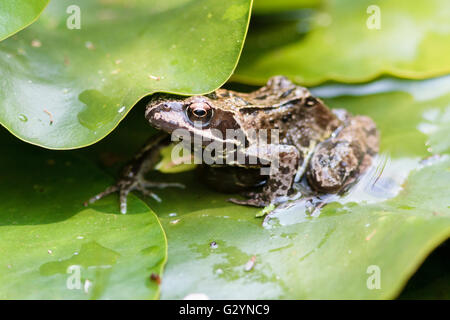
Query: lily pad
{"x": 54, "y": 248}
{"x": 344, "y": 42}
{"x": 18, "y": 14}
{"x": 78, "y": 84}
{"x": 269, "y": 6}
{"x": 393, "y": 218}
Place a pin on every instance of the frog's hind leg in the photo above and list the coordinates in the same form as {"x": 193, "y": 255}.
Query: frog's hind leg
{"x": 338, "y": 161}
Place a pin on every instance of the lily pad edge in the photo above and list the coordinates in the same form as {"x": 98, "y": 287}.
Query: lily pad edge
{"x": 421, "y": 257}
{"x": 404, "y": 75}
{"x": 28, "y": 24}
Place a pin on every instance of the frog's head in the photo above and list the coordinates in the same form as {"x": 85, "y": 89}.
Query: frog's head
{"x": 200, "y": 116}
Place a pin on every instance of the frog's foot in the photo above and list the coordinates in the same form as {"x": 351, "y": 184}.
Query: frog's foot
{"x": 254, "y": 200}
{"x": 124, "y": 187}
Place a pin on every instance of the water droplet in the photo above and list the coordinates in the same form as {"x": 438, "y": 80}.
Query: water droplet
{"x": 173, "y": 214}
{"x": 122, "y": 109}
{"x": 89, "y": 45}
{"x": 23, "y": 117}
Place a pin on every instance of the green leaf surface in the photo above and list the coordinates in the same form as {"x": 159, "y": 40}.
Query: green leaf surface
{"x": 270, "y": 6}
{"x": 46, "y": 233}
{"x": 341, "y": 42}
{"x": 76, "y": 85}
{"x": 393, "y": 218}
{"x": 18, "y": 14}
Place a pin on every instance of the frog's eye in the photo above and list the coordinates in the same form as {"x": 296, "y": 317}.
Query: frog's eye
{"x": 199, "y": 111}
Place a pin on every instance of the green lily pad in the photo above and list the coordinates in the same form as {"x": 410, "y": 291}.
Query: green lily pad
{"x": 78, "y": 84}
{"x": 54, "y": 248}
{"x": 341, "y": 42}
{"x": 18, "y": 14}
{"x": 392, "y": 224}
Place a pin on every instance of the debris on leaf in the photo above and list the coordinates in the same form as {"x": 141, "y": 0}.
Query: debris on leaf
{"x": 50, "y": 115}
{"x": 213, "y": 245}
{"x": 156, "y": 278}
{"x": 250, "y": 264}
{"x": 36, "y": 43}
{"x": 371, "y": 235}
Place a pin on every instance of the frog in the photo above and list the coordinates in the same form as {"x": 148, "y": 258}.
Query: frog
{"x": 328, "y": 149}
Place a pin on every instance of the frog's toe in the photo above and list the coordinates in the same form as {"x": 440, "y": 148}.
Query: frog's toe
{"x": 162, "y": 185}
{"x": 143, "y": 189}
{"x": 101, "y": 195}
{"x": 123, "y": 187}
{"x": 253, "y": 202}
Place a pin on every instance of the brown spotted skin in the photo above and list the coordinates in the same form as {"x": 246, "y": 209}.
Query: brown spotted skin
{"x": 330, "y": 147}
{"x": 339, "y": 160}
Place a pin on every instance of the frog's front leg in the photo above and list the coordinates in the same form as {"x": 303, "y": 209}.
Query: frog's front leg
{"x": 284, "y": 161}
{"x": 132, "y": 176}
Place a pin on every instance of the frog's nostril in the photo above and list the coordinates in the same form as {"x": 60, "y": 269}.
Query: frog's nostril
{"x": 310, "y": 101}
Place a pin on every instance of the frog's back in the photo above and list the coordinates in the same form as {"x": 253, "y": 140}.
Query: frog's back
{"x": 291, "y": 110}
